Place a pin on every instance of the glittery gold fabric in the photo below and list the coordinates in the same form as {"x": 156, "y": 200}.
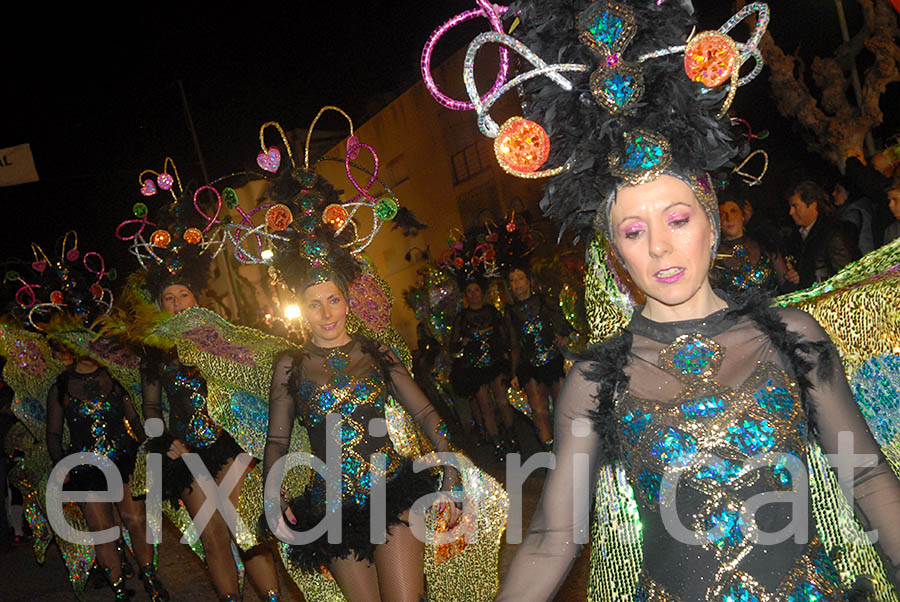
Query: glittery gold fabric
{"x": 457, "y": 572}
{"x": 857, "y": 308}
{"x": 608, "y": 309}
{"x": 236, "y": 363}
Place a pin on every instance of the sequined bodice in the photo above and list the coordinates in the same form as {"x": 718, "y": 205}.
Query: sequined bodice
{"x": 719, "y": 442}
{"x": 96, "y": 418}
{"x": 534, "y": 329}
{"x": 485, "y": 344}
{"x": 189, "y": 418}
{"x": 738, "y": 272}
{"x": 347, "y": 383}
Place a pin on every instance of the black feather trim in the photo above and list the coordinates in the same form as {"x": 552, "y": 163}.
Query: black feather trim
{"x": 585, "y": 134}
{"x": 309, "y": 509}
{"x": 605, "y": 365}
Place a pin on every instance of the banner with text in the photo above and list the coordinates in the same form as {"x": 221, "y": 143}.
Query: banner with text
{"x": 17, "y": 165}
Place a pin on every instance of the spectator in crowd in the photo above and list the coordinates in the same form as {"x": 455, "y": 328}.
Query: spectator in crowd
{"x": 854, "y": 208}
{"x": 892, "y": 232}
{"x": 822, "y": 246}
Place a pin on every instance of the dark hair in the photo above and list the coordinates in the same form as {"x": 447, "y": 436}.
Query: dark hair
{"x": 810, "y": 192}
{"x": 467, "y": 281}
{"x": 524, "y": 268}
{"x": 893, "y": 183}
{"x": 738, "y": 202}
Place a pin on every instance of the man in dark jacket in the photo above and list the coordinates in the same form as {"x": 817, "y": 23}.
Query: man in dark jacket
{"x": 821, "y": 245}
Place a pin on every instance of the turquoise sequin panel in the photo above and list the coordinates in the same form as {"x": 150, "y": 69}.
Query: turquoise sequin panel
{"x": 720, "y": 471}
{"x": 775, "y": 399}
{"x": 693, "y": 357}
{"x": 674, "y": 447}
{"x": 634, "y": 423}
{"x": 876, "y": 386}
{"x": 649, "y": 483}
{"x": 752, "y": 436}
{"x": 724, "y": 529}
{"x": 739, "y": 593}
{"x": 619, "y": 88}
{"x": 706, "y": 407}
{"x": 807, "y": 592}
{"x": 607, "y": 28}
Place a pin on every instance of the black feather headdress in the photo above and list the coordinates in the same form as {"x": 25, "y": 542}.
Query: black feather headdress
{"x": 617, "y": 92}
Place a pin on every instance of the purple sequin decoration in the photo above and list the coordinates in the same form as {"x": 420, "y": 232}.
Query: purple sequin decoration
{"x": 210, "y": 340}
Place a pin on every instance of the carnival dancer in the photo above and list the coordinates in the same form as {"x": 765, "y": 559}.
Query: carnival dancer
{"x": 68, "y": 294}
{"x": 354, "y": 369}
{"x": 705, "y": 398}
{"x": 352, "y": 376}
{"x": 480, "y": 344}
{"x": 176, "y": 259}
{"x": 743, "y": 263}
{"x": 539, "y": 331}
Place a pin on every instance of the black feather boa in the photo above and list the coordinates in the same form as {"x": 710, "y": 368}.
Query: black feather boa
{"x": 606, "y": 363}
{"x": 583, "y": 133}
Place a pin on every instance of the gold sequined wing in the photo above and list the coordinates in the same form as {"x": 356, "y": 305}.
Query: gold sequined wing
{"x": 607, "y": 302}
{"x": 237, "y": 364}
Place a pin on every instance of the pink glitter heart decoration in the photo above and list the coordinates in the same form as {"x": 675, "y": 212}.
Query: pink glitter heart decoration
{"x": 39, "y": 266}
{"x": 353, "y": 148}
{"x": 73, "y": 255}
{"x": 165, "y": 181}
{"x": 269, "y": 161}
{"x": 149, "y": 188}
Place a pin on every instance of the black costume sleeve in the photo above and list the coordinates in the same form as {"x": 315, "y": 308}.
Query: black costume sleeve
{"x": 151, "y": 388}
{"x": 281, "y": 414}
{"x": 131, "y": 415}
{"x": 561, "y": 523}
{"x": 55, "y": 419}
{"x": 875, "y": 489}
{"x": 515, "y": 349}
{"x": 422, "y": 411}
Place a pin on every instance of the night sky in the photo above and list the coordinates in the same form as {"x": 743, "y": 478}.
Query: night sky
{"x": 97, "y": 95}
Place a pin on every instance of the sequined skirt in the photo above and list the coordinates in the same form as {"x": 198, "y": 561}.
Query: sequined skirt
{"x": 466, "y": 380}
{"x": 86, "y": 477}
{"x": 548, "y": 374}
{"x": 177, "y": 477}
{"x": 309, "y": 510}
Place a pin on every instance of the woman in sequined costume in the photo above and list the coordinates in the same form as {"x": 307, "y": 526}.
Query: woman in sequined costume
{"x": 191, "y": 430}
{"x": 697, "y": 385}
{"x": 707, "y": 402}
{"x": 742, "y": 263}
{"x": 350, "y": 377}
{"x": 480, "y": 343}
{"x": 538, "y": 331}
{"x": 101, "y": 419}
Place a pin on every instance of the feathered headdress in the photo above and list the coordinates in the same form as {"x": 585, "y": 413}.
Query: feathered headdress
{"x": 309, "y": 234}
{"x": 181, "y": 241}
{"x": 66, "y": 292}
{"x": 632, "y": 93}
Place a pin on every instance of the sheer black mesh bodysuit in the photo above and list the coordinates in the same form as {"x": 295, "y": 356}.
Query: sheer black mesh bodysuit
{"x": 480, "y": 335}
{"x": 534, "y": 326}
{"x": 349, "y": 381}
{"x": 95, "y": 408}
{"x": 702, "y": 398}
{"x": 186, "y": 393}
